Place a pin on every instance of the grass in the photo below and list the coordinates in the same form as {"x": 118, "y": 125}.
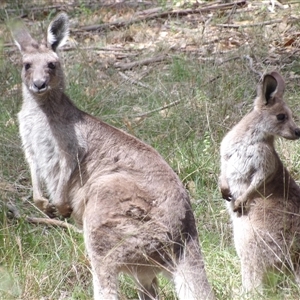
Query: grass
{"x": 37, "y": 262}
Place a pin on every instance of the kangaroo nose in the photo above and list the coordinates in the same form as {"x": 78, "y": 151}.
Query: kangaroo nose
{"x": 297, "y": 132}
{"x": 40, "y": 84}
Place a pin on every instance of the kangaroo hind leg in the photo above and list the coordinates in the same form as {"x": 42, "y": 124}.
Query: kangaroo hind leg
{"x": 147, "y": 283}
{"x": 189, "y": 276}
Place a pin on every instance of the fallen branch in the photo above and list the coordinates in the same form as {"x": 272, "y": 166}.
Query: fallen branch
{"x": 250, "y": 24}
{"x": 247, "y": 57}
{"x": 146, "y": 61}
{"x": 164, "y": 14}
{"x": 88, "y": 4}
{"x": 52, "y": 222}
{"x": 221, "y": 62}
{"x": 133, "y": 81}
{"x": 120, "y": 53}
{"x": 250, "y": 60}
{"x": 46, "y": 221}
{"x": 146, "y": 114}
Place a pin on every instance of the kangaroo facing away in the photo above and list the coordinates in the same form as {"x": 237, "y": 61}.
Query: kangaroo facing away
{"x": 264, "y": 199}
{"x": 135, "y": 213}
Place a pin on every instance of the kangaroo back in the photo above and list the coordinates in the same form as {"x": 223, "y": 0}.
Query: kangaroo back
{"x": 136, "y": 214}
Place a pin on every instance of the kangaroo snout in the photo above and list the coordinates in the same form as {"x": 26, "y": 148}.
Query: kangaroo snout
{"x": 39, "y": 86}
{"x": 297, "y": 133}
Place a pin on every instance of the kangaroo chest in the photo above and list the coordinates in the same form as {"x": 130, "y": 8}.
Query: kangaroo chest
{"x": 42, "y": 146}
{"x": 246, "y": 161}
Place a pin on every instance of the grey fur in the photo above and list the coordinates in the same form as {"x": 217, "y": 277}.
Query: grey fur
{"x": 265, "y": 200}
{"x": 136, "y": 214}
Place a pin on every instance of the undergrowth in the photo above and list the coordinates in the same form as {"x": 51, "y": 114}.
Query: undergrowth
{"x": 211, "y": 95}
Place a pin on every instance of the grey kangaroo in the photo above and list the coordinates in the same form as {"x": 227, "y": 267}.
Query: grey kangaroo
{"x": 265, "y": 200}
{"x": 135, "y": 212}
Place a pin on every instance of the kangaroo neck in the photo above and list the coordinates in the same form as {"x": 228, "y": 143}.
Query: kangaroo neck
{"x": 50, "y": 98}
{"x": 255, "y": 130}
{"x": 55, "y": 104}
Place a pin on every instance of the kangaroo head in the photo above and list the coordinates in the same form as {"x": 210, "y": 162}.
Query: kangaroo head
{"x": 42, "y": 71}
{"x": 275, "y": 117}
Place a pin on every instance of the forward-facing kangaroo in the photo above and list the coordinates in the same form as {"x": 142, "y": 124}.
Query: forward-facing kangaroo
{"x": 136, "y": 214}
{"x": 265, "y": 200}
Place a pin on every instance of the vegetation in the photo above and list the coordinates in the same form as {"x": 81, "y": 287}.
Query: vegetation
{"x": 182, "y": 106}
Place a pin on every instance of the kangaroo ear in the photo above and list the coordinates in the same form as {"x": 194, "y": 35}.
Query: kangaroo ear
{"x": 269, "y": 88}
{"x": 280, "y": 83}
{"x": 58, "y": 31}
{"x": 21, "y": 36}
{"x": 273, "y": 85}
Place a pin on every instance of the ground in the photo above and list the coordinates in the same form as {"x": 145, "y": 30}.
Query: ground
{"x": 176, "y": 74}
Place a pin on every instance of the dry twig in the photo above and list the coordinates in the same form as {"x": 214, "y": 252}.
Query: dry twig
{"x": 146, "y": 114}
{"x": 46, "y": 221}
{"x": 250, "y": 24}
{"x": 146, "y": 61}
{"x": 250, "y": 60}
{"x": 133, "y": 81}
{"x": 52, "y": 222}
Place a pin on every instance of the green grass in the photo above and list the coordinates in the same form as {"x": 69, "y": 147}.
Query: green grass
{"x": 37, "y": 262}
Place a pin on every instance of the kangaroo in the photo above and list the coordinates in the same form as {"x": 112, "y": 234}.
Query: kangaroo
{"x": 135, "y": 213}
{"x": 263, "y": 199}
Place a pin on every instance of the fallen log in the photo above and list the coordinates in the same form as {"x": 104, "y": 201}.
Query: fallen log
{"x": 163, "y": 14}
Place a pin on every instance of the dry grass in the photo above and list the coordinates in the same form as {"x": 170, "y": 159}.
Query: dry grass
{"x": 205, "y": 70}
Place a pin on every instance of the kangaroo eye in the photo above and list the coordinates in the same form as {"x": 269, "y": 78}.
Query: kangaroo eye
{"x": 51, "y": 66}
{"x": 281, "y": 117}
{"x": 27, "y": 66}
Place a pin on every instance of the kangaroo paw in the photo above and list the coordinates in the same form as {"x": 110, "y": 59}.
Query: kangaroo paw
{"x": 64, "y": 210}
